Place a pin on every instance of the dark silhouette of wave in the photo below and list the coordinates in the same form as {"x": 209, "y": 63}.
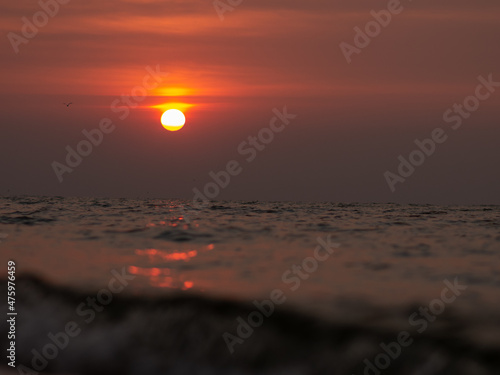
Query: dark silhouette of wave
{"x": 183, "y": 334}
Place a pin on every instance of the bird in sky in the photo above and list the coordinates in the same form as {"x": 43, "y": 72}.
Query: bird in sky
{"x": 68, "y": 104}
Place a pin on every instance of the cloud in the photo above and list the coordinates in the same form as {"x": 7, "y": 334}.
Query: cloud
{"x": 272, "y": 46}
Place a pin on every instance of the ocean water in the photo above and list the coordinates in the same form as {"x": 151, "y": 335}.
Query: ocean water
{"x": 150, "y": 286}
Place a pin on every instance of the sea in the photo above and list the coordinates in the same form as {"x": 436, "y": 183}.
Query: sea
{"x": 161, "y": 286}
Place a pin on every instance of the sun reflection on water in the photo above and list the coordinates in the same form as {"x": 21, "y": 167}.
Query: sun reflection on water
{"x": 165, "y": 277}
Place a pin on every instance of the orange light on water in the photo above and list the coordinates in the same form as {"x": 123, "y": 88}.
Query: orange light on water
{"x": 162, "y": 277}
{"x": 148, "y": 271}
{"x": 158, "y": 254}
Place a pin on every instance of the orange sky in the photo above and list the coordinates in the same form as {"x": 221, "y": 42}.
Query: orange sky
{"x": 262, "y": 47}
{"x": 230, "y": 74}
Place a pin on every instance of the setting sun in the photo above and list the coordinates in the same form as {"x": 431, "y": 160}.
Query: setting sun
{"x": 173, "y": 119}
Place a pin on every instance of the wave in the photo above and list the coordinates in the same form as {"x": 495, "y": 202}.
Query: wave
{"x": 61, "y": 330}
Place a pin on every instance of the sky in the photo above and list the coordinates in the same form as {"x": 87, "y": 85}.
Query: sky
{"x": 352, "y": 89}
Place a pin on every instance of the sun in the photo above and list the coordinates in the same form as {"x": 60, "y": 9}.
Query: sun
{"x": 173, "y": 120}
